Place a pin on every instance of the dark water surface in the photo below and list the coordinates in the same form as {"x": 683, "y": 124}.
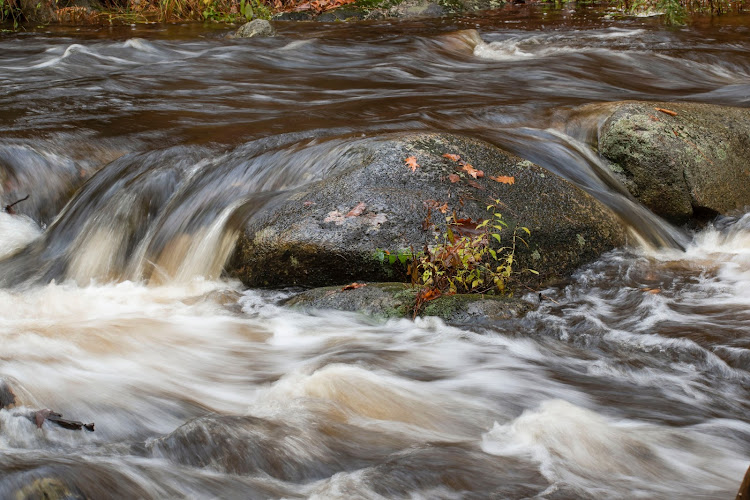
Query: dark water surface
{"x": 632, "y": 382}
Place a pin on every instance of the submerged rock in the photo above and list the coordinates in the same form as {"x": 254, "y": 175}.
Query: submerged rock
{"x": 255, "y": 28}
{"x": 246, "y": 445}
{"x": 65, "y": 480}
{"x": 7, "y": 396}
{"x": 684, "y": 161}
{"x": 328, "y": 232}
{"x": 396, "y": 300}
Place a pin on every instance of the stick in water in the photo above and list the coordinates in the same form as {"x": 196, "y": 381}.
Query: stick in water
{"x": 9, "y": 208}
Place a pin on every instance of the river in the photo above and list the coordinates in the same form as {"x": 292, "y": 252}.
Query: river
{"x": 631, "y": 382}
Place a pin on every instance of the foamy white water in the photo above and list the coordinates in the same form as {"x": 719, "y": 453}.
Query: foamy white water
{"x": 143, "y": 150}
{"x": 575, "y": 414}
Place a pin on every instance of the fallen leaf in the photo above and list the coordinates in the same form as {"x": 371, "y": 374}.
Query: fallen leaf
{"x": 454, "y": 178}
{"x": 357, "y": 210}
{"x": 335, "y": 217}
{"x": 472, "y": 171}
{"x": 467, "y": 227}
{"x": 474, "y": 184}
{"x": 667, "y": 111}
{"x": 411, "y": 162}
{"x": 431, "y": 294}
{"x": 443, "y": 208}
{"x": 504, "y": 179}
{"x": 651, "y": 290}
{"x": 309, "y": 203}
{"x": 451, "y": 157}
{"x": 353, "y": 286}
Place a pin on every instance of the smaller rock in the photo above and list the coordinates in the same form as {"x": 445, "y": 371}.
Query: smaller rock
{"x": 7, "y": 396}
{"x": 417, "y": 8}
{"x": 304, "y": 15}
{"x": 255, "y": 28}
{"x": 396, "y": 300}
{"x": 345, "y": 13}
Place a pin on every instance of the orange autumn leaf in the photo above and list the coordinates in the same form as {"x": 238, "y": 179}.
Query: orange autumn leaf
{"x": 454, "y": 178}
{"x": 428, "y": 295}
{"x": 504, "y": 179}
{"x": 443, "y": 208}
{"x": 472, "y": 171}
{"x": 452, "y": 157}
{"x": 353, "y": 286}
{"x": 667, "y": 111}
{"x": 411, "y": 162}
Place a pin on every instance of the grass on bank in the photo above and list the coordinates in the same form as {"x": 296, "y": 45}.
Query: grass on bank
{"x": 78, "y": 12}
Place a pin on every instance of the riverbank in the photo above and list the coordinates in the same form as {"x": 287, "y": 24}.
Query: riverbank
{"x": 21, "y": 14}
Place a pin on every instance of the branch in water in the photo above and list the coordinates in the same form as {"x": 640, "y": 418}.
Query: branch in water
{"x": 9, "y": 208}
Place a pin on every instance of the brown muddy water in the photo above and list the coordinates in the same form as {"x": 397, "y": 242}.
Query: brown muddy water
{"x": 113, "y": 308}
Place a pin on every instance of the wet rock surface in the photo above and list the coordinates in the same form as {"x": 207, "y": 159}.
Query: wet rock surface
{"x": 256, "y": 28}
{"x": 692, "y": 165}
{"x": 328, "y": 232}
{"x": 396, "y": 300}
{"x": 7, "y": 396}
{"x": 65, "y": 480}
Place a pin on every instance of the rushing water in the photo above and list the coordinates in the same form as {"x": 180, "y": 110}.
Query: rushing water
{"x": 631, "y": 381}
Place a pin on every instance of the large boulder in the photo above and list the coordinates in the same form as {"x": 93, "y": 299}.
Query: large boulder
{"x": 684, "y": 161}
{"x": 328, "y": 232}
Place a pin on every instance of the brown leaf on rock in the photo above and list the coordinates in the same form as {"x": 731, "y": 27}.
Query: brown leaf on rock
{"x": 467, "y": 227}
{"x": 474, "y": 184}
{"x": 454, "y": 178}
{"x": 452, "y": 157}
{"x": 357, "y": 210}
{"x": 411, "y": 162}
{"x": 472, "y": 171}
{"x": 504, "y": 179}
{"x": 353, "y": 286}
{"x": 443, "y": 208}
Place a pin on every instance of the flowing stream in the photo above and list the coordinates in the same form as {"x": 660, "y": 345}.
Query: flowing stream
{"x": 633, "y": 381}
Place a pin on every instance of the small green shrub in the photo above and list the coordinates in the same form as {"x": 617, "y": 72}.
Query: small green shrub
{"x": 10, "y": 12}
{"x": 463, "y": 260}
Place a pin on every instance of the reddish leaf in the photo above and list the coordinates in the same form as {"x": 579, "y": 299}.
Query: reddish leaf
{"x": 474, "y": 184}
{"x": 454, "y": 178}
{"x": 451, "y": 157}
{"x": 309, "y": 203}
{"x": 443, "y": 208}
{"x": 467, "y": 227}
{"x": 504, "y": 179}
{"x": 411, "y": 162}
{"x": 353, "y": 286}
{"x": 357, "y": 210}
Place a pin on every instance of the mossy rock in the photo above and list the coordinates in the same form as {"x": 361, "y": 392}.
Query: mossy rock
{"x": 317, "y": 236}
{"x": 396, "y": 300}
{"x": 690, "y": 166}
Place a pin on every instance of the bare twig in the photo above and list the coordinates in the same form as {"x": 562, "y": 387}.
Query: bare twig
{"x": 9, "y": 208}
